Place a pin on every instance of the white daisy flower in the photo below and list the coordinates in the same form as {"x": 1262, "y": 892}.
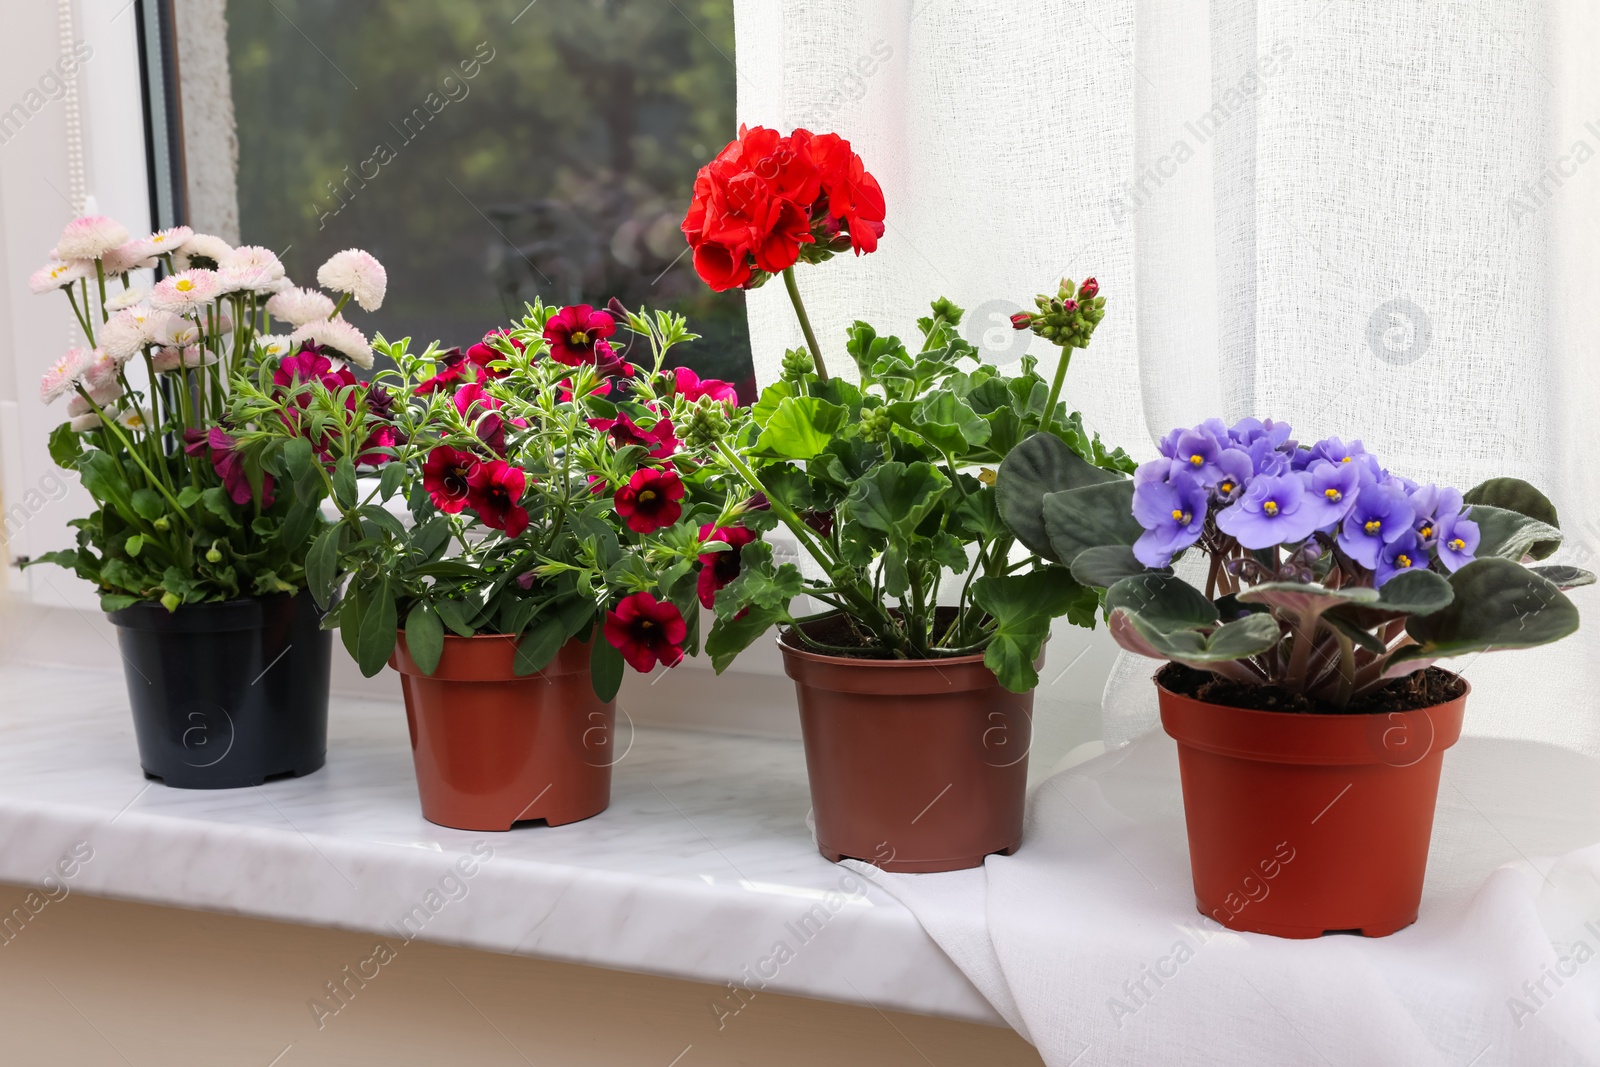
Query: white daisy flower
{"x": 134, "y": 255}
{"x": 77, "y": 405}
{"x": 65, "y": 374}
{"x": 85, "y": 423}
{"x": 127, "y": 298}
{"x": 160, "y": 327}
{"x": 100, "y": 379}
{"x": 201, "y": 250}
{"x": 357, "y": 273}
{"x": 274, "y": 345}
{"x": 90, "y": 237}
{"x": 136, "y": 418}
{"x": 253, "y": 258}
{"x": 195, "y": 357}
{"x": 299, "y": 306}
{"x": 337, "y": 334}
{"x": 186, "y": 291}
{"x": 55, "y": 275}
{"x": 122, "y": 336}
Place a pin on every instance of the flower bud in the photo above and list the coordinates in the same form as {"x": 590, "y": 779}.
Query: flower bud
{"x": 214, "y": 554}
{"x": 1089, "y": 289}
{"x": 617, "y": 309}
{"x": 708, "y": 422}
{"x": 162, "y": 524}
{"x": 1021, "y": 320}
{"x": 875, "y": 424}
{"x": 170, "y": 601}
{"x": 797, "y": 363}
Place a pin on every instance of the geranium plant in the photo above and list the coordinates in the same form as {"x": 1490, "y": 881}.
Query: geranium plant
{"x": 543, "y": 488}
{"x": 883, "y": 483}
{"x": 1331, "y": 582}
{"x": 183, "y": 515}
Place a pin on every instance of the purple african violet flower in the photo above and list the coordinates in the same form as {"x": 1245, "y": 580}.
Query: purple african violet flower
{"x": 1277, "y": 434}
{"x": 1155, "y": 470}
{"x": 1458, "y": 541}
{"x": 1173, "y": 514}
{"x": 1334, "y": 450}
{"x": 1197, "y": 451}
{"x": 1331, "y": 490}
{"x": 1236, "y": 469}
{"x": 1404, "y": 553}
{"x": 1381, "y": 514}
{"x": 1273, "y": 511}
{"x": 1432, "y": 504}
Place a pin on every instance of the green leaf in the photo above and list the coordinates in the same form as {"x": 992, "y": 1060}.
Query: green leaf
{"x": 390, "y": 481}
{"x": 344, "y": 482}
{"x": 1040, "y": 465}
{"x": 322, "y": 565}
{"x": 148, "y": 504}
{"x": 110, "y": 602}
{"x": 133, "y": 545}
{"x": 1022, "y": 606}
{"x": 946, "y": 422}
{"x": 605, "y": 668}
{"x": 1248, "y": 636}
{"x": 65, "y": 446}
{"x": 537, "y": 647}
{"x": 378, "y": 625}
{"x": 298, "y": 458}
{"x": 1163, "y": 602}
{"x": 1092, "y": 517}
{"x": 457, "y": 615}
{"x": 189, "y": 496}
{"x": 773, "y": 395}
{"x": 1514, "y": 494}
{"x": 801, "y": 427}
{"x": 217, "y": 501}
{"x": 978, "y": 517}
{"x": 730, "y": 636}
{"x": 1306, "y": 601}
{"x": 1498, "y": 604}
{"x": 424, "y": 637}
{"x": 1510, "y": 534}
{"x": 1415, "y": 592}
{"x": 104, "y": 480}
{"x": 1564, "y": 577}
{"x": 894, "y": 498}
{"x": 1106, "y": 565}
{"x": 350, "y": 611}
{"x": 297, "y": 525}
{"x": 760, "y": 585}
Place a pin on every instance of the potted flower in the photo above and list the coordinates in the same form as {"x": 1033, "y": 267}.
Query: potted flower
{"x": 551, "y": 512}
{"x": 1301, "y": 688}
{"x": 198, "y": 549}
{"x": 915, "y": 678}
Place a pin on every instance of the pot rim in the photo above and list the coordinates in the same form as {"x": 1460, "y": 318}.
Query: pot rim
{"x": 245, "y": 613}
{"x": 855, "y": 661}
{"x": 1315, "y": 715}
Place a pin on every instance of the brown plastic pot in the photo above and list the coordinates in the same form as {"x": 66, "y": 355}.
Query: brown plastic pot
{"x": 915, "y": 765}
{"x": 492, "y": 749}
{"x": 1301, "y": 825}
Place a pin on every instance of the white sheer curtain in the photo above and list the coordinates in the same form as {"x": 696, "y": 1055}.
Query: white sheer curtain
{"x": 1375, "y": 220}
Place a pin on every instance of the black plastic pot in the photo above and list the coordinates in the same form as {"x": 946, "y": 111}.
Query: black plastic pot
{"x": 229, "y": 694}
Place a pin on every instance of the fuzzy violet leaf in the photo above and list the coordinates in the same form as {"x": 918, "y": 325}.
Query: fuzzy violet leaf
{"x": 1105, "y": 566}
{"x": 1498, "y": 604}
{"x": 1511, "y": 534}
{"x": 1213, "y": 651}
{"x": 1041, "y": 465}
{"x": 1162, "y": 602}
{"x": 1092, "y": 517}
{"x": 1514, "y": 494}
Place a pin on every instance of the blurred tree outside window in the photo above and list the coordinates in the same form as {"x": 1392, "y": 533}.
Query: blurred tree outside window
{"x": 489, "y": 152}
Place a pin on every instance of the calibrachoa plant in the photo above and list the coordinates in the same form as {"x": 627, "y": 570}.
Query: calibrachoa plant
{"x": 184, "y": 516}
{"x": 543, "y": 487}
{"x": 1328, "y": 576}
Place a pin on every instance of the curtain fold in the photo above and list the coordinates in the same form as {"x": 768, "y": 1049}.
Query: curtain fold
{"x": 1377, "y": 221}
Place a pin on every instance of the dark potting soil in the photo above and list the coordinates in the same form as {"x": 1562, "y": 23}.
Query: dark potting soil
{"x": 842, "y": 633}
{"x": 1425, "y": 689}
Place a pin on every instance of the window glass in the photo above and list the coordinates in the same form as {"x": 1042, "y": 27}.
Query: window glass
{"x": 489, "y": 152}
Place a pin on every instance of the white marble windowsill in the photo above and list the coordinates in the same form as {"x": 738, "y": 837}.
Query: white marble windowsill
{"x": 700, "y": 869}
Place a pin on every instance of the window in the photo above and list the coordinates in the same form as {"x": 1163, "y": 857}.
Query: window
{"x": 489, "y": 153}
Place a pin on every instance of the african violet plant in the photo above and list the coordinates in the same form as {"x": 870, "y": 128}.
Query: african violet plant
{"x": 1327, "y": 576}
{"x": 553, "y": 490}
{"x": 888, "y": 485}
{"x": 183, "y": 516}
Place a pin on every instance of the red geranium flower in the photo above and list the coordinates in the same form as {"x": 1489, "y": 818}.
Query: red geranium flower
{"x": 646, "y": 630}
{"x": 766, "y": 196}
{"x": 446, "y": 475}
{"x": 649, "y": 501}
{"x": 481, "y": 354}
{"x": 717, "y": 569}
{"x": 659, "y": 439}
{"x": 692, "y": 387}
{"x": 577, "y": 335}
{"x": 494, "y": 489}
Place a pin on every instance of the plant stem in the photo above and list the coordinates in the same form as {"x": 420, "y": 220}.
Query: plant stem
{"x": 155, "y": 483}
{"x": 805, "y": 323}
{"x": 1055, "y": 391}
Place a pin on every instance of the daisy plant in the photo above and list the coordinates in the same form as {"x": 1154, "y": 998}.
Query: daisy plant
{"x": 889, "y": 486}
{"x": 542, "y": 487}
{"x": 1329, "y": 578}
{"x": 184, "y": 516}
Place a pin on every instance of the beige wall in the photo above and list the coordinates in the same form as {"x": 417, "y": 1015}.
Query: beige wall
{"x": 90, "y": 982}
